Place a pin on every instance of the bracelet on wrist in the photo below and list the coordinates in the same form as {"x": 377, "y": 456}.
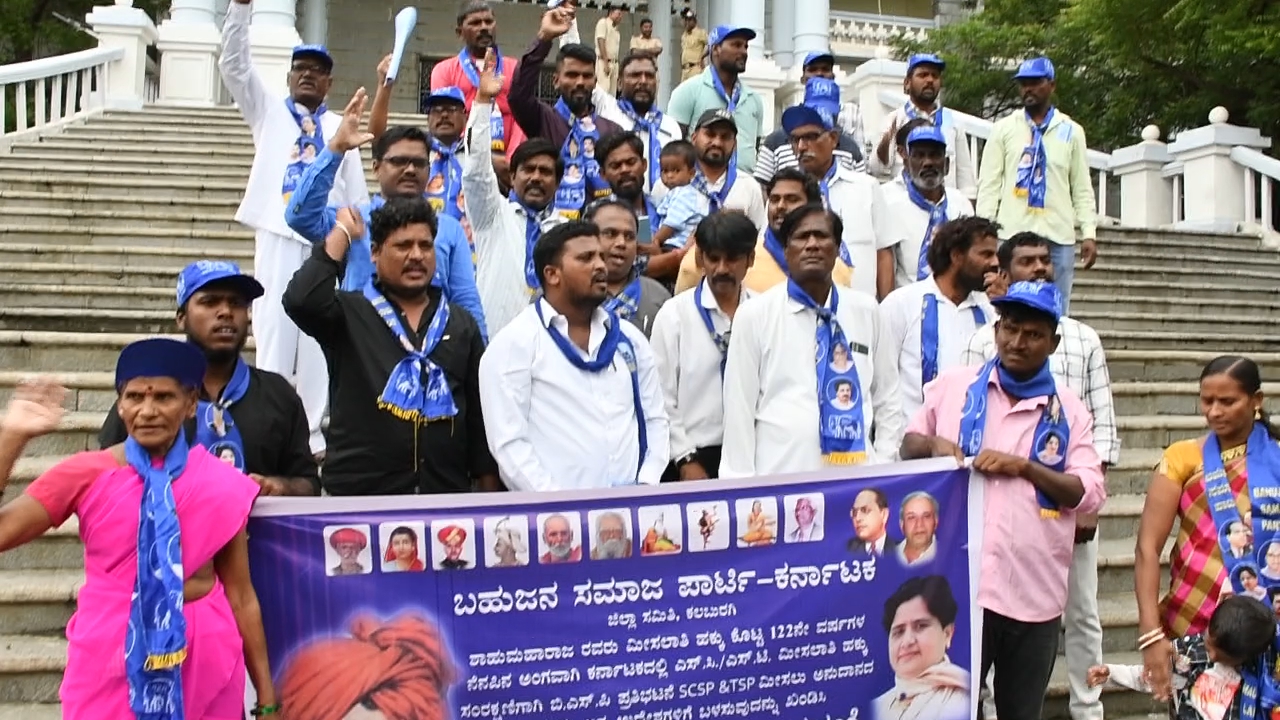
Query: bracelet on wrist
{"x": 345, "y": 231}
{"x": 1157, "y": 632}
{"x": 1142, "y": 646}
{"x": 264, "y": 710}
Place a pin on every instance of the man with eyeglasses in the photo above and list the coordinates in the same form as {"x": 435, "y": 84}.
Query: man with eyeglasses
{"x": 288, "y": 134}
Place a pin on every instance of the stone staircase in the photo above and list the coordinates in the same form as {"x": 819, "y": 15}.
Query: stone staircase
{"x": 95, "y": 222}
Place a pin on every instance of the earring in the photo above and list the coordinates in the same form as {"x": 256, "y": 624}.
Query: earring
{"x": 1257, "y": 413}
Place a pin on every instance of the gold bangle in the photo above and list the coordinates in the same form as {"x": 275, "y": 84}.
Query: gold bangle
{"x": 1149, "y": 642}
{"x": 345, "y": 231}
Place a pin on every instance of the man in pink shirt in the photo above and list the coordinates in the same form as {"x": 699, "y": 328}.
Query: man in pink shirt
{"x": 1033, "y": 442}
{"x": 477, "y": 28}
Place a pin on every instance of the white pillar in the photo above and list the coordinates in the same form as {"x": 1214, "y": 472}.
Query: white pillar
{"x": 750, "y": 14}
{"x": 811, "y": 29}
{"x": 124, "y": 26}
{"x": 864, "y": 87}
{"x": 1146, "y": 196}
{"x": 273, "y": 34}
{"x": 781, "y": 34}
{"x": 718, "y": 12}
{"x": 188, "y": 42}
{"x": 660, "y": 14}
{"x": 1213, "y": 185}
{"x": 315, "y": 16}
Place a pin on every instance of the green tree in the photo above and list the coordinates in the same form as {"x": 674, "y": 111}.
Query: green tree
{"x": 1122, "y": 64}
{"x": 30, "y": 29}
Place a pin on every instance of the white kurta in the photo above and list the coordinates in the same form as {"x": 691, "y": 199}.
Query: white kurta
{"x": 668, "y": 130}
{"x": 857, "y": 199}
{"x": 908, "y": 223}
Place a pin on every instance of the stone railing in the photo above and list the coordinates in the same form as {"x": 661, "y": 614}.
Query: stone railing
{"x": 54, "y": 90}
{"x": 869, "y": 35}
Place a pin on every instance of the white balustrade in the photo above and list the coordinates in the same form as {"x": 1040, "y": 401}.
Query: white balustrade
{"x": 869, "y": 35}
{"x": 53, "y": 91}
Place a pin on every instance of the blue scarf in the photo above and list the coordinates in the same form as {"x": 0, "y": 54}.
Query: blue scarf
{"x": 937, "y": 216}
{"x": 929, "y": 336}
{"x": 1053, "y": 422}
{"x": 841, "y": 431}
{"x": 313, "y": 140}
{"x": 938, "y": 118}
{"x": 730, "y": 104}
{"x": 721, "y": 339}
{"x": 615, "y": 341}
{"x": 1259, "y": 692}
{"x": 825, "y": 186}
{"x": 446, "y": 166}
{"x": 581, "y": 182}
{"x": 156, "y": 639}
{"x": 497, "y": 125}
{"x": 406, "y": 395}
{"x": 627, "y": 302}
{"x": 532, "y": 231}
{"x": 1033, "y": 165}
{"x": 647, "y": 124}
{"x": 717, "y": 199}
{"x": 216, "y": 431}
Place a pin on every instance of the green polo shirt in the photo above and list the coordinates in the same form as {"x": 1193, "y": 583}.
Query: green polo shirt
{"x": 698, "y": 95}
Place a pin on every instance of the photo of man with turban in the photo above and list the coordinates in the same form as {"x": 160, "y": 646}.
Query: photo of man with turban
{"x": 454, "y": 540}
{"x": 348, "y": 543}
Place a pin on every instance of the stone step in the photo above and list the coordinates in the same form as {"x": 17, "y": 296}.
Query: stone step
{"x": 76, "y": 431}
{"x": 1178, "y": 276}
{"x": 37, "y": 602}
{"x": 99, "y": 129}
{"x": 137, "y": 232}
{"x": 30, "y": 711}
{"x": 1132, "y": 475}
{"x": 1119, "y": 703}
{"x": 1115, "y": 565}
{"x": 1163, "y": 240}
{"x": 15, "y": 255}
{"x": 1164, "y": 398}
{"x": 1180, "y": 364}
{"x": 1158, "y": 431}
{"x": 58, "y": 550}
{"x": 1089, "y": 293}
{"x": 1183, "y": 321}
{"x": 91, "y": 297}
{"x": 1119, "y": 517}
{"x": 31, "y": 668}
{"x": 117, "y": 170}
{"x": 86, "y": 391}
{"x": 73, "y": 183}
{"x": 42, "y": 319}
{"x": 21, "y": 202}
{"x": 1208, "y": 258}
{"x": 28, "y": 468}
{"x": 130, "y": 217}
{"x": 1174, "y": 339}
{"x": 25, "y": 350}
{"x": 1093, "y": 301}
{"x": 91, "y": 279}
{"x": 136, "y": 148}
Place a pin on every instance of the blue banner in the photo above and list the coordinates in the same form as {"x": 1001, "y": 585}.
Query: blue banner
{"x": 797, "y": 597}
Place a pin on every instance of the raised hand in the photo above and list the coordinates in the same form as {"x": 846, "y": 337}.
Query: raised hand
{"x": 352, "y": 220}
{"x": 35, "y": 408}
{"x": 349, "y": 135}
{"x": 384, "y": 67}
{"x": 490, "y": 81}
{"x": 555, "y": 23}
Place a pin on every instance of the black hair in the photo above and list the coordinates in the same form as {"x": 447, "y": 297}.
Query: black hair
{"x": 401, "y": 212}
{"x": 1242, "y": 628}
{"x": 471, "y": 7}
{"x": 635, "y": 56}
{"x": 812, "y": 191}
{"x": 843, "y": 382}
{"x": 594, "y": 207}
{"x": 933, "y": 589}
{"x": 1004, "y": 253}
{"x": 1247, "y": 569}
{"x": 550, "y": 245}
{"x": 1245, "y": 372}
{"x": 399, "y": 133}
{"x": 1019, "y": 313}
{"x": 682, "y": 149}
{"x": 959, "y": 234}
{"x": 537, "y": 147}
{"x": 900, "y": 137}
{"x": 882, "y": 500}
{"x": 404, "y": 530}
{"x": 730, "y": 233}
{"x": 646, "y": 20}
{"x": 793, "y": 219}
{"x": 606, "y": 145}
{"x": 578, "y": 51}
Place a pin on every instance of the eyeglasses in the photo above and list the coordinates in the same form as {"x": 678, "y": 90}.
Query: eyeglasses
{"x": 312, "y": 69}
{"x": 401, "y": 161}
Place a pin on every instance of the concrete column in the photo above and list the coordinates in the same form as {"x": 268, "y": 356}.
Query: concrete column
{"x": 124, "y": 26}
{"x": 273, "y": 34}
{"x": 315, "y": 17}
{"x": 782, "y": 34}
{"x": 864, "y": 87}
{"x": 1213, "y": 185}
{"x": 1146, "y": 196}
{"x": 750, "y": 14}
{"x": 765, "y": 78}
{"x": 811, "y": 28}
{"x": 188, "y": 42}
{"x": 717, "y": 12}
{"x": 664, "y": 30}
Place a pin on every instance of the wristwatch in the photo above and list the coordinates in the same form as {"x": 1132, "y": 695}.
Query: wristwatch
{"x": 687, "y": 458}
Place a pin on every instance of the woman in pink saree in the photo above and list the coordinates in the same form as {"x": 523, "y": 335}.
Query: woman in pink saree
{"x": 173, "y": 646}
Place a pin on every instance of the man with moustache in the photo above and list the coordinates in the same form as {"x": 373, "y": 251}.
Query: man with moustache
{"x": 853, "y": 196}
{"x": 401, "y": 160}
{"x": 928, "y": 323}
{"x": 506, "y": 227}
{"x": 571, "y": 392}
{"x": 923, "y": 85}
{"x": 405, "y": 361}
{"x": 776, "y": 152}
{"x": 918, "y": 518}
{"x": 691, "y": 342}
{"x": 645, "y": 42}
{"x": 722, "y": 185}
{"x": 919, "y": 202}
{"x": 720, "y": 87}
{"x": 632, "y": 296}
{"x": 1035, "y": 176}
{"x": 558, "y": 536}
{"x": 637, "y": 111}
{"x": 870, "y": 516}
{"x": 446, "y": 118}
{"x": 477, "y": 28}
{"x": 248, "y": 416}
{"x": 612, "y": 542}
{"x": 779, "y": 414}
{"x": 573, "y": 124}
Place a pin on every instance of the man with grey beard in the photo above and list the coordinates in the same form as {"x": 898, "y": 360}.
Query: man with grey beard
{"x": 612, "y": 542}
{"x": 558, "y": 535}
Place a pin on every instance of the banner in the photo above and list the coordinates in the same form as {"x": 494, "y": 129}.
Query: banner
{"x": 797, "y": 597}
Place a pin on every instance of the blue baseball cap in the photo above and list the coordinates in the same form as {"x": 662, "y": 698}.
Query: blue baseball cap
{"x": 161, "y": 357}
{"x": 448, "y": 94}
{"x": 201, "y": 273}
{"x": 822, "y": 94}
{"x": 1035, "y": 68}
{"x": 924, "y": 59}
{"x": 723, "y": 32}
{"x": 926, "y": 133}
{"x": 1034, "y": 294}
{"x": 801, "y": 115}
{"x": 315, "y": 51}
{"x": 817, "y": 55}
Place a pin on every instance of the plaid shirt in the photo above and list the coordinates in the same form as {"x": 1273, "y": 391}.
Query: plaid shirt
{"x": 1081, "y": 365}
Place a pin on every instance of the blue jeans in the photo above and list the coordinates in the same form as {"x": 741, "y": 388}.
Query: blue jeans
{"x": 1064, "y": 271}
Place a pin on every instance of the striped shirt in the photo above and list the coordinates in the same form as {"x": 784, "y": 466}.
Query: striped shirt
{"x": 776, "y": 154}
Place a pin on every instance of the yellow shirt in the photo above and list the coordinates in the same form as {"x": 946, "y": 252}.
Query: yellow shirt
{"x": 764, "y": 273}
{"x": 693, "y": 45}
{"x": 652, "y": 45}
{"x": 607, "y": 31}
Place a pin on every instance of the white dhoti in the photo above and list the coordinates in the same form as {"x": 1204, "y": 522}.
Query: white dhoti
{"x": 282, "y": 347}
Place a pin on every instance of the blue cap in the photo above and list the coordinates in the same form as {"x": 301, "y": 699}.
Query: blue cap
{"x": 924, "y": 59}
{"x": 450, "y": 93}
{"x": 161, "y": 357}
{"x": 801, "y": 115}
{"x": 1034, "y": 69}
{"x": 816, "y": 56}
{"x": 1035, "y": 294}
{"x": 316, "y": 51}
{"x": 201, "y": 273}
{"x": 926, "y": 133}
{"x": 723, "y": 32}
{"x": 822, "y": 94}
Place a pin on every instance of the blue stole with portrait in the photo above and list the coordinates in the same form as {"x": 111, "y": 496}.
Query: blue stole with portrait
{"x": 647, "y": 126}
{"x": 1033, "y": 166}
{"x": 937, "y": 216}
{"x": 627, "y": 301}
{"x": 215, "y": 429}
{"x": 1259, "y": 689}
{"x": 446, "y": 166}
{"x": 615, "y": 341}
{"x": 417, "y": 389}
{"x": 1053, "y": 421}
{"x": 721, "y": 339}
{"x": 497, "y": 125}
{"x": 581, "y": 182}
{"x": 940, "y": 117}
{"x": 842, "y": 433}
{"x": 155, "y": 643}
{"x": 298, "y": 160}
{"x": 929, "y": 336}
{"x": 532, "y": 231}
{"x": 731, "y": 104}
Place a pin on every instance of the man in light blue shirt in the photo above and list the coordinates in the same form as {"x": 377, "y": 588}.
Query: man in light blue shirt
{"x": 719, "y": 87}
{"x": 401, "y": 159}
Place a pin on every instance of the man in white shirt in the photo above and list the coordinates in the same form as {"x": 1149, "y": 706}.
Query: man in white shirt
{"x": 637, "y": 111}
{"x": 928, "y": 323}
{"x": 919, "y": 202}
{"x": 691, "y": 342}
{"x": 782, "y": 373}
{"x": 506, "y": 228}
{"x": 923, "y": 85}
{"x": 918, "y": 518}
{"x": 287, "y": 134}
{"x": 572, "y": 393}
{"x": 721, "y": 185}
{"x": 855, "y": 197}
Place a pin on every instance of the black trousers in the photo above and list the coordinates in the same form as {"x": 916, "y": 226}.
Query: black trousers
{"x": 1023, "y": 654}
{"x": 708, "y": 458}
